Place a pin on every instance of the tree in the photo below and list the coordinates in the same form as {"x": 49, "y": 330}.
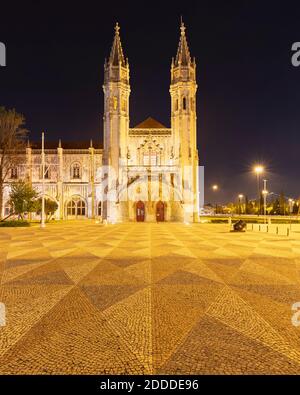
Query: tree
{"x": 296, "y": 208}
{"x": 276, "y": 207}
{"x": 50, "y": 207}
{"x": 246, "y": 205}
{"x": 23, "y": 198}
{"x": 251, "y": 206}
{"x": 282, "y": 203}
{"x": 12, "y": 143}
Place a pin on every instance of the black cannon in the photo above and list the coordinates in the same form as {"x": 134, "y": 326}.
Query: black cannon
{"x": 240, "y": 226}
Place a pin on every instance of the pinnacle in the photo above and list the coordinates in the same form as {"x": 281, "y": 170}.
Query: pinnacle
{"x": 116, "y": 54}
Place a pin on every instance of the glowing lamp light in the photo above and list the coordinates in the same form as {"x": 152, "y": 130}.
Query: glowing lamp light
{"x": 259, "y": 169}
{"x": 215, "y": 187}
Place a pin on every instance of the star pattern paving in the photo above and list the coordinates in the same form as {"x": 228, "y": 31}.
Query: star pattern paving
{"x": 137, "y": 298}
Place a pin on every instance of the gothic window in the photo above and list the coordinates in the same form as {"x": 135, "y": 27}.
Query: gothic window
{"x": 14, "y": 173}
{"x": 150, "y": 159}
{"x": 80, "y": 207}
{"x": 172, "y": 179}
{"x": 8, "y": 209}
{"x": 99, "y": 209}
{"x": 71, "y": 208}
{"x": 76, "y": 171}
{"x": 46, "y": 173}
{"x": 76, "y": 208}
{"x": 176, "y": 105}
{"x": 184, "y": 103}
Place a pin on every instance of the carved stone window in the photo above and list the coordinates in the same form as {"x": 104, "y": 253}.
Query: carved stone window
{"x": 46, "y": 173}
{"x": 8, "y": 209}
{"x": 76, "y": 207}
{"x": 150, "y": 158}
{"x": 76, "y": 171}
{"x": 14, "y": 173}
{"x": 100, "y": 209}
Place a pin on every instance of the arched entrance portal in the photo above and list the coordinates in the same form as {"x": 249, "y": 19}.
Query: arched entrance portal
{"x": 140, "y": 211}
{"x": 76, "y": 208}
{"x": 160, "y": 211}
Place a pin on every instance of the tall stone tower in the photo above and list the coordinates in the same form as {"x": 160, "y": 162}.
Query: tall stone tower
{"x": 183, "y": 121}
{"x": 116, "y": 128}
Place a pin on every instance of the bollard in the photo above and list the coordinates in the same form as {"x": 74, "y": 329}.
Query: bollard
{"x": 259, "y": 228}
{"x": 287, "y": 232}
{"x": 277, "y": 230}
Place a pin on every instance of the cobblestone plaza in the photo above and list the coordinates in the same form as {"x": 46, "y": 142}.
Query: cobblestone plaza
{"x": 147, "y": 298}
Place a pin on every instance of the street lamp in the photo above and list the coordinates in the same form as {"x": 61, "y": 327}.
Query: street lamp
{"x": 258, "y": 170}
{"x": 215, "y": 188}
{"x": 265, "y": 193}
{"x": 240, "y": 201}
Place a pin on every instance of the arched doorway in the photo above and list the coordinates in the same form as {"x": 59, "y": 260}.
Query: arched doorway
{"x": 140, "y": 211}
{"x": 160, "y": 211}
{"x": 76, "y": 208}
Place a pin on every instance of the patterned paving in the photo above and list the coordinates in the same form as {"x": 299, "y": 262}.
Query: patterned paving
{"x": 148, "y": 298}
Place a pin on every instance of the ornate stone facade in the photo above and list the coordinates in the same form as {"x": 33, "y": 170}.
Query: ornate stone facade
{"x": 145, "y": 173}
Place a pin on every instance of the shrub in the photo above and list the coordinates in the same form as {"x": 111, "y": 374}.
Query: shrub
{"x": 14, "y": 224}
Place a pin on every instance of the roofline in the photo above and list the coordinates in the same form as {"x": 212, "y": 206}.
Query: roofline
{"x": 150, "y": 129}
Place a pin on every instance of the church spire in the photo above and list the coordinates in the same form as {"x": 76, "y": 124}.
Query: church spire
{"x": 116, "y": 54}
{"x": 183, "y": 56}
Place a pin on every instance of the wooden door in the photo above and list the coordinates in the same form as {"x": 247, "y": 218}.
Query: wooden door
{"x": 160, "y": 212}
{"x": 140, "y": 211}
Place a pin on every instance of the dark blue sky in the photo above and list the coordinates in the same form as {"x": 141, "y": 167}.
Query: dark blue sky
{"x": 248, "y": 91}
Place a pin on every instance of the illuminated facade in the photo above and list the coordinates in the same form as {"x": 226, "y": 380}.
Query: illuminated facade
{"x": 145, "y": 173}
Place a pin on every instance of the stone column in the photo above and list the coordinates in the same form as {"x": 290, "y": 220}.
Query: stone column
{"x": 28, "y": 170}
{"x": 60, "y": 173}
{"x": 92, "y": 179}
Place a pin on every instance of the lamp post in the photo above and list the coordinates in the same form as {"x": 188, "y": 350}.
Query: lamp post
{"x": 215, "y": 188}
{"x": 240, "y": 202}
{"x": 258, "y": 171}
{"x": 265, "y": 193}
{"x": 43, "y": 182}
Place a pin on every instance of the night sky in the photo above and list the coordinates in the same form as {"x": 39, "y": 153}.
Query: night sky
{"x": 248, "y": 91}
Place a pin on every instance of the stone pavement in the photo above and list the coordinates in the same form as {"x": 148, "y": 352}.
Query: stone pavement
{"x": 83, "y": 298}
